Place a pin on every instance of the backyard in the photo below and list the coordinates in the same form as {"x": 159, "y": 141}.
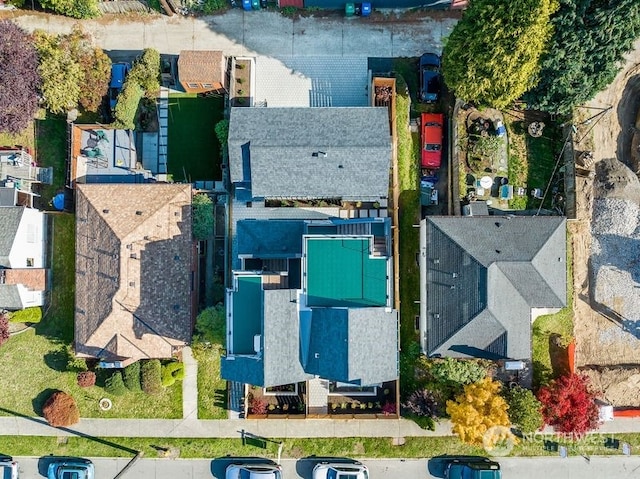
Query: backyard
{"x": 194, "y": 151}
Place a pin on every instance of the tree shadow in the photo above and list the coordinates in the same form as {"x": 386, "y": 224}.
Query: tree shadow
{"x": 541, "y": 374}
{"x": 559, "y": 356}
{"x": 56, "y": 360}
{"x": 38, "y": 401}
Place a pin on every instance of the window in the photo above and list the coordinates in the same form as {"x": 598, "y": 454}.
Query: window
{"x": 193, "y": 85}
{"x": 207, "y": 85}
{"x": 30, "y": 262}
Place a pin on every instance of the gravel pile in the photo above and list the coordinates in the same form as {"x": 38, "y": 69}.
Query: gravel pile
{"x": 619, "y": 387}
{"x": 615, "y": 258}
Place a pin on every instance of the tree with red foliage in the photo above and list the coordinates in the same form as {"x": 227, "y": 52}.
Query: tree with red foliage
{"x": 4, "y": 328}
{"x": 60, "y": 410}
{"x": 568, "y": 405}
{"x": 20, "y": 80}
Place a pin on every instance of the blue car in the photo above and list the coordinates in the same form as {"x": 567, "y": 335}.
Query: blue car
{"x": 430, "y": 78}
{"x": 70, "y": 469}
{"x": 118, "y": 74}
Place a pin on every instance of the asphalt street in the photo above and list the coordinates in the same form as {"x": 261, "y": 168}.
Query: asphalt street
{"x": 521, "y": 468}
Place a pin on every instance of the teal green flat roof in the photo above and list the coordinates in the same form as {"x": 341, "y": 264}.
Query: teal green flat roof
{"x": 247, "y": 313}
{"x": 341, "y": 273}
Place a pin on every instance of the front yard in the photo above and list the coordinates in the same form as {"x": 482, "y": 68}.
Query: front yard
{"x": 35, "y": 361}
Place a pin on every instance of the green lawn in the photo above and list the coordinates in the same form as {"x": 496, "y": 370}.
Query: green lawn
{"x": 34, "y": 363}
{"x": 194, "y": 149}
{"x": 51, "y": 150}
{"x": 415, "y": 447}
{"x": 212, "y": 389}
{"x": 548, "y": 360}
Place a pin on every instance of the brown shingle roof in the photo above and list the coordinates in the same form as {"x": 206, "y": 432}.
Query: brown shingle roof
{"x": 34, "y": 279}
{"x": 200, "y": 66}
{"x": 133, "y": 270}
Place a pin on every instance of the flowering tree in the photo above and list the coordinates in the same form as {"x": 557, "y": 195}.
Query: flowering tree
{"x": 20, "y": 80}
{"x": 568, "y": 405}
{"x": 477, "y": 409}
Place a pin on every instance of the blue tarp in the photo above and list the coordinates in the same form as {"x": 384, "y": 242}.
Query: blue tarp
{"x": 58, "y": 201}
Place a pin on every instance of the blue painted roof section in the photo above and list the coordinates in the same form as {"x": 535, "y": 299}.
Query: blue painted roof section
{"x": 270, "y": 238}
{"x": 328, "y": 353}
{"x": 243, "y": 369}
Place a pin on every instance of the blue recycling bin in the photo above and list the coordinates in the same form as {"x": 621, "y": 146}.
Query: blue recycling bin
{"x": 365, "y": 10}
{"x": 246, "y": 5}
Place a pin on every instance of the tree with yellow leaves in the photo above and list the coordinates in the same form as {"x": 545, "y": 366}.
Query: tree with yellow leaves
{"x": 477, "y": 409}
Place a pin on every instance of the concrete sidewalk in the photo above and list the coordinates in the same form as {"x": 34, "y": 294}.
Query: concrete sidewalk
{"x": 272, "y": 428}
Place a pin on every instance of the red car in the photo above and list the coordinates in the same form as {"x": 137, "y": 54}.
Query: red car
{"x": 431, "y": 125}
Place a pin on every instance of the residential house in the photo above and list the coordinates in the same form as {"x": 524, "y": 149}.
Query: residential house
{"x": 484, "y": 280}
{"x": 23, "y": 273}
{"x": 201, "y": 71}
{"x": 134, "y": 271}
{"x": 19, "y": 173}
{"x": 311, "y": 296}
{"x": 100, "y": 154}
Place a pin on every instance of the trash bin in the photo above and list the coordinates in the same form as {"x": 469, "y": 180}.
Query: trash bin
{"x": 246, "y": 4}
{"x": 255, "y": 4}
{"x": 350, "y": 9}
{"x": 263, "y": 3}
{"x": 365, "y": 11}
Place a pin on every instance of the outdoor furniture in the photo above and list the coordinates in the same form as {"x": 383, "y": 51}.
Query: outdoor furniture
{"x": 506, "y": 192}
{"x": 535, "y": 129}
{"x": 486, "y": 182}
{"x": 536, "y": 193}
{"x": 520, "y": 191}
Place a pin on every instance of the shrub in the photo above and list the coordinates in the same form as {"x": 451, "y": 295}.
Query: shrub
{"x": 568, "y": 405}
{"x": 114, "y": 384}
{"x": 525, "y": 410}
{"x": 28, "y": 315}
{"x": 460, "y": 371}
{"x": 86, "y": 379}
{"x": 61, "y": 410}
{"x": 389, "y": 408}
{"x": 128, "y": 100}
{"x": 172, "y": 372}
{"x": 4, "y": 328}
{"x": 151, "y": 376}
{"x": 131, "y": 376}
{"x": 74, "y": 363}
{"x": 422, "y": 404}
{"x": 210, "y": 326}
{"x": 222, "y": 131}
{"x": 146, "y": 71}
{"x": 203, "y": 220}
{"x": 258, "y": 406}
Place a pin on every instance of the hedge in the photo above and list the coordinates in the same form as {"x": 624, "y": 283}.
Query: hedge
{"x": 172, "y": 372}
{"x": 114, "y": 384}
{"x": 125, "y": 111}
{"x": 131, "y": 376}
{"x": 28, "y": 315}
{"x": 151, "y": 376}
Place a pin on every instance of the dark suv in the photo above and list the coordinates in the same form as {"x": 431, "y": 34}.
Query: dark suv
{"x": 430, "y": 78}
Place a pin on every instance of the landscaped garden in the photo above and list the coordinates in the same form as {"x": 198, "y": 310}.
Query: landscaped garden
{"x": 194, "y": 150}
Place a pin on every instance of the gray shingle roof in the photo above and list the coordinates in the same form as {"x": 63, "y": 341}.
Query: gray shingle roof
{"x": 10, "y": 218}
{"x": 483, "y": 275}
{"x": 10, "y": 297}
{"x": 274, "y": 149}
{"x": 356, "y": 345}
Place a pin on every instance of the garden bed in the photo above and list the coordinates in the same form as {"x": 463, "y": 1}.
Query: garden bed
{"x": 241, "y": 83}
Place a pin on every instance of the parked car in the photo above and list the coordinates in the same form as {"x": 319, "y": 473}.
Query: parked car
{"x": 352, "y": 470}
{"x": 119, "y": 72}
{"x": 431, "y": 127}
{"x": 253, "y": 471}
{"x": 8, "y": 468}
{"x": 430, "y": 78}
{"x": 70, "y": 469}
{"x": 473, "y": 469}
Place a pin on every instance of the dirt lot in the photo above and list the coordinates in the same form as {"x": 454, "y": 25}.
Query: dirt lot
{"x": 600, "y": 341}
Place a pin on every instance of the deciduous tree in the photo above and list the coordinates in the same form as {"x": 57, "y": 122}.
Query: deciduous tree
{"x": 492, "y": 56}
{"x": 568, "y": 405}
{"x": 202, "y": 217}
{"x": 73, "y": 8}
{"x": 477, "y": 409}
{"x": 19, "y": 78}
{"x": 585, "y": 53}
{"x": 61, "y": 74}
